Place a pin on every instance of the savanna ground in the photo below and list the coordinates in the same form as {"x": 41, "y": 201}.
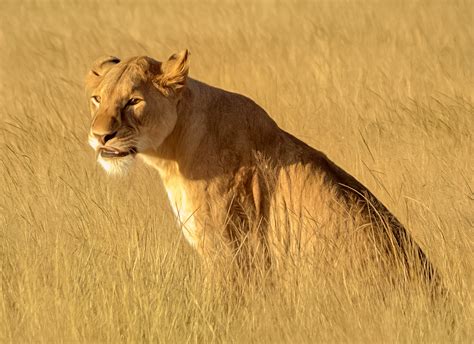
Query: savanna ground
{"x": 385, "y": 88}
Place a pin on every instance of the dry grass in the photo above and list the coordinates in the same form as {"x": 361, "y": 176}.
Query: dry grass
{"x": 385, "y": 88}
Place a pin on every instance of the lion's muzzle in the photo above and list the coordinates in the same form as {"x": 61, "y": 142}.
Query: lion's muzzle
{"x": 109, "y": 153}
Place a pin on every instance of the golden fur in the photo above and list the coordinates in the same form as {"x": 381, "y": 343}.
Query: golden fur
{"x": 233, "y": 177}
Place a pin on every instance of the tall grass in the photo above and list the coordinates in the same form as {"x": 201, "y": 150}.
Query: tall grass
{"x": 384, "y": 88}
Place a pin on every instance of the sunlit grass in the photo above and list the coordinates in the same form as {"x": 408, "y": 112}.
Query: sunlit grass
{"x": 384, "y": 88}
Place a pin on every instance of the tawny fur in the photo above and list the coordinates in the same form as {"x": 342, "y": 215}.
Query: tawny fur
{"x": 233, "y": 177}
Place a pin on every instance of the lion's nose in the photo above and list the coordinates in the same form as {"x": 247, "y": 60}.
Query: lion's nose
{"x": 104, "y": 138}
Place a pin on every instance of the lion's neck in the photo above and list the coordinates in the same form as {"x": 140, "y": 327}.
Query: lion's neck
{"x": 177, "y": 161}
{"x": 176, "y": 156}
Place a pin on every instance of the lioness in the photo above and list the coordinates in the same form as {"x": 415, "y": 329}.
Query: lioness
{"x": 234, "y": 179}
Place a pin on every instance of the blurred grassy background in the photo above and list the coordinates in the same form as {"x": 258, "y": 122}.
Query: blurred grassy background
{"x": 385, "y": 88}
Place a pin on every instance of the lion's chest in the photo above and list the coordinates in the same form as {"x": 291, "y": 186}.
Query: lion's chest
{"x": 181, "y": 203}
{"x": 184, "y": 210}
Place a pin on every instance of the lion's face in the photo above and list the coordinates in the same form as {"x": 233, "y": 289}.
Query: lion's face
{"x": 133, "y": 106}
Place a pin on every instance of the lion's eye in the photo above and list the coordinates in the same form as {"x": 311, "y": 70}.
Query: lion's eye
{"x": 133, "y": 101}
{"x": 96, "y": 100}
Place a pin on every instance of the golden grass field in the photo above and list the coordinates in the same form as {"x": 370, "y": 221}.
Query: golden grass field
{"x": 385, "y": 88}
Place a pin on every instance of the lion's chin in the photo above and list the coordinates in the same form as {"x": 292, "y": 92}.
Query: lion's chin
{"x": 116, "y": 166}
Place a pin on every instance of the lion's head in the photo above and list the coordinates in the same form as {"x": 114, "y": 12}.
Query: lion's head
{"x": 133, "y": 106}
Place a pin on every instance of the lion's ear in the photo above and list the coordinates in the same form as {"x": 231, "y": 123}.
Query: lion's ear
{"x": 99, "y": 68}
{"x": 174, "y": 73}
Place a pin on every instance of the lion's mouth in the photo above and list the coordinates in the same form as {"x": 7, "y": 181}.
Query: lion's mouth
{"x": 110, "y": 153}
